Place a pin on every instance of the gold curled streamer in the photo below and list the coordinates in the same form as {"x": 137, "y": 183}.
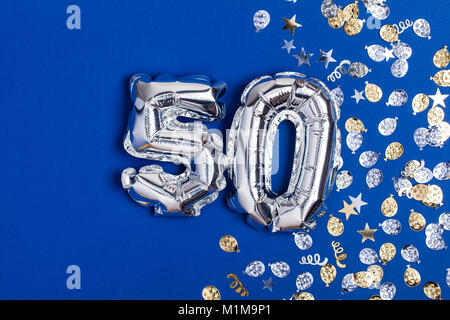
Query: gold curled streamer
{"x": 237, "y": 285}
{"x": 338, "y": 254}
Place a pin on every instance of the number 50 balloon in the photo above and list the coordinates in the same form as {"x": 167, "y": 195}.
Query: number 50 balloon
{"x": 266, "y": 103}
{"x": 155, "y": 133}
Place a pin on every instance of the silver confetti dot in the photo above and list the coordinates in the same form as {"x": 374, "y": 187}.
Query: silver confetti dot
{"x": 387, "y": 291}
{"x": 354, "y": 141}
{"x": 423, "y": 175}
{"x": 410, "y": 253}
{"x": 374, "y": 178}
{"x": 420, "y": 137}
{"x": 422, "y": 28}
{"x": 387, "y": 126}
{"x": 397, "y": 98}
{"x": 442, "y": 171}
{"x": 399, "y": 68}
{"x": 304, "y": 281}
{"x": 376, "y": 52}
{"x": 368, "y": 159}
{"x": 280, "y": 269}
{"x": 348, "y": 283}
{"x": 392, "y": 227}
{"x": 444, "y": 220}
{"x": 261, "y": 20}
{"x": 255, "y": 269}
{"x": 379, "y": 11}
{"x": 402, "y": 50}
{"x": 368, "y": 256}
{"x": 358, "y": 70}
{"x": 329, "y": 9}
{"x": 303, "y": 240}
{"x": 343, "y": 180}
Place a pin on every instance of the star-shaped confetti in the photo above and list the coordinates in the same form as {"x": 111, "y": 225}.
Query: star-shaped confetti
{"x": 348, "y": 210}
{"x": 359, "y": 95}
{"x": 326, "y": 57}
{"x": 288, "y": 45}
{"x": 357, "y": 202}
{"x": 291, "y": 24}
{"x": 268, "y": 284}
{"x": 367, "y": 233}
{"x": 303, "y": 58}
{"x": 438, "y": 98}
{"x": 388, "y": 54}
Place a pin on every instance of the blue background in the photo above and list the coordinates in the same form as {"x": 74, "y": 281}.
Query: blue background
{"x": 64, "y": 101}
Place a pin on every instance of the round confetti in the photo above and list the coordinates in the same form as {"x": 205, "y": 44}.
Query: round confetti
{"x": 393, "y": 151}
{"x": 416, "y": 221}
{"x": 210, "y": 293}
{"x": 376, "y": 52}
{"x": 421, "y": 137}
{"x": 422, "y": 28}
{"x": 280, "y": 269}
{"x": 402, "y": 50}
{"x": 432, "y": 290}
{"x": 412, "y": 277}
{"x": 255, "y": 269}
{"x": 420, "y": 103}
{"x": 343, "y": 180}
{"x": 304, "y": 281}
{"x": 329, "y": 9}
{"x": 328, "y": 274}
{"x": 444, "y": 220}
{"x": 335, "y": 226}
{"x": 374, "y": 178}
{"x": 261, "y": 20}
{"x": 348, "y": 283}
{"x": 410, "y": 253}
{"x": 368, "y": 256}
{"x": 368, "y": 159}
{"x": 387, "y": 291}
{"x": 354, "y": 141}
{"x": 392, "y": 227}
{"x": 389, "y": 33}
{"x": 389, "y": 207}
{"x": 373, "y": 92}
{"x": 399, "y": 68}
{"x": 387, "y": 126}
{"x": 358, "y": 70}
{"x": 397, "y": 98}
{"x": 363, "y": 279}
{"x": 442, "y": 58}
{"x": 228, "y": 244}
{"x": 387, "y": 252}
{"x": 303, "y": 240}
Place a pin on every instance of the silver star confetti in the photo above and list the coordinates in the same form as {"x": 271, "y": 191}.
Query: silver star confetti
{"x": 303, "y": 58}
{"x": 438, "y": 98}
{"x": 357, "y": 202}
{"x": 326, "y": 57}
{"x": 388, "y": 54}
{"x": 268, "y": 284}
{"x": 358, "y": 96}
{"x": 288, "y": 45}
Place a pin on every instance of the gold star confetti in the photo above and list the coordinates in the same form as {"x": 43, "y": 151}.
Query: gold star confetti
{"x": 210, "y": 293}
{"x": 420, "y": 103}
{"x": 389, "y": 207}
{"x": 328, "y": 274}
{"x": 387, "y": 252}
{"x": 442, "y": 58}
{"x": 442, "y": 78}
{"x": 291, "y": 24}
{"x": 229, "y": 244}
{"x": 335, "y": 226}
{"x": 373, "y": 92}
{"x": 389, "y": 33}
{"x": 432, "y": 290}
{"x": 367, "y": 233}
{"x": 348, "y": 210}
{"x": 416, "y": 221}
{"x": 412, "y": 277}
{"x": 393, "y": 151}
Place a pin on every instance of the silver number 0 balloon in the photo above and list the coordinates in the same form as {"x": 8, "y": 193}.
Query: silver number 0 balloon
{"x": 266, "y": 103}
{"x": 155, "y": 133}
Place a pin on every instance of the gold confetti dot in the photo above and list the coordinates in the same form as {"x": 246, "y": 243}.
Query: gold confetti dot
{"x": 389, "y": 33}
{"x": 432, "y": 290}
{"x": 389, "y": 207}
{"x": 393, "y": 151}
{"x": 416, "y": 221}
{"x": 210, "y": 293}
{"x": 412, "y": 277}
{"x": 442, "y": 78}
{"x": 387, "y": 252}
{"x": 442, "y": 58}
{"x": 229, "y": 244}
{"x": 373, "y": 92}
{"x": 420, "y": 103}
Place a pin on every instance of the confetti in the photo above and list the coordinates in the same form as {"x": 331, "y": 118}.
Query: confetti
{"x": 432, "y": 290}
{"x": 210, "y": 293}
{"x": 389, "y": 207}
{"x": 326, "y": 57}
{"x": 304, "y": 281}
{"x": 374, "y": 178}
{"x": 444, "y": 220}
{"x": 255, "y": 269}
{"x": 387, "y": 126}
{"x": 328, "y": 274}
{"x": 377, "y": 274}
{"x": 229, "y": 244}
{"x": 343, "y": 180}
{"x": 373, "y": 92}
{"x": 303, "y": 240}
{"x": 441, "y": 58}
{"x": 303, "y": 58}
{"x": 410, "y": 253}
{"x": 442, "y": 78}
{"x": 291, "y": 24}
{"x": 329, "y": 9}
{"x": 358, "y": 70}
{"x": 313, "y": 260}
{"x": 397, "y": 98}
{"x": 268, "y": 284}
{"x": 368, "y": 256}
{"x": 348, "y": 210}
{"x": 376, "y": 52}
{"x": 387, "y": 252}
{"x": 261, "y": 20}
{"x": 353, "y": 27}
{"x": 337, "y": 21}
{"x": 237, "y": 285}
{"x": 335, "y": 226}
{"x": 392, "y": 227}
{"x": 303, "y": 296}
{"x": 363, "y": 279}
{"x": 358, "y": 96}
{"x": 393, "y": 151}
{"x": 367, "y": 233}
{"x": 416, "y": 221}
{"x": 357, "y": 202}
{"x": 368, "y": 159}
{"x": 389, "y": 33}
{"x": 348, "y": 283}
{"x": 387, "y": 291}
{"x": 422, "y": 28}
{"x": 412, "y": 277}
{"x": 399, "y": 68}
{"x": 280, "y": 269}
{"x": 339, "y": 254}
{"x": 379, "y": 11}
{"x": 354, "y": 141}
{"x": 420, "y": 103}
{"x": 402, "y": 50}
{"x": 288, "y": 45}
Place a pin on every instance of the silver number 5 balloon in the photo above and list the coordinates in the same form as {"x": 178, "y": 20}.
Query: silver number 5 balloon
{"x": 266, "y": 103}
{"x": 155, "y": 133}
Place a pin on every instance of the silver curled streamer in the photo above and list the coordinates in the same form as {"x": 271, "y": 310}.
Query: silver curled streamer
{"x": 154, "y": 133}
{"x": 313, "y": 260}
{"x": 339, "y": 71}
{"x": 266, "y": 102}
{"x": 403, "y": 25}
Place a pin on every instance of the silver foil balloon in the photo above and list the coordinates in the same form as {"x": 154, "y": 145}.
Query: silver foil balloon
{"x": 266, "y": 102}
{"x": 435, "y": 242}
{"x": 255, "y": 269}
{"x": 337, "y": 95}
{"x": 368, "y": 256}
{"x": 354, "y": 141}
{"x": 422, "y": 28}
{"x": 435, "y": 137}
{"x": 358, "y": 70}
{"x": 374, "y": 177}
{"x": 442, "y": 171}
{"x": 387, "y": 291}
{"x": 387, "y": 126}
{"x": 410, "y": 253}
{"x": 403, "y": 187}
{"x": 376, "y": 52}
{"x": 402, "y": 50}
{"x": 392, "y": 227}
{"x": 329, "y": 9}
{"x": 154, "y": 133}
{"x": 343, "y": 180}
{"x": 348, "y": 283}
{"x": 420, "y": 137}
{"x": 397, "y": 98}
{"x": 434, "y": 229}
{"x": 399, "y": 68}
{"x": 304, "y": 281}
{"x": 379, "y": 11}
{"x": 423, "y": 175}
{"x": 444, "y": 220}
{"x": 280, "y": 269}
{"x": 261, "y": 19}
{"x": 368, "y": 159}
{"x": 303, "y": 240}
{"x": 447, "y": 278}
